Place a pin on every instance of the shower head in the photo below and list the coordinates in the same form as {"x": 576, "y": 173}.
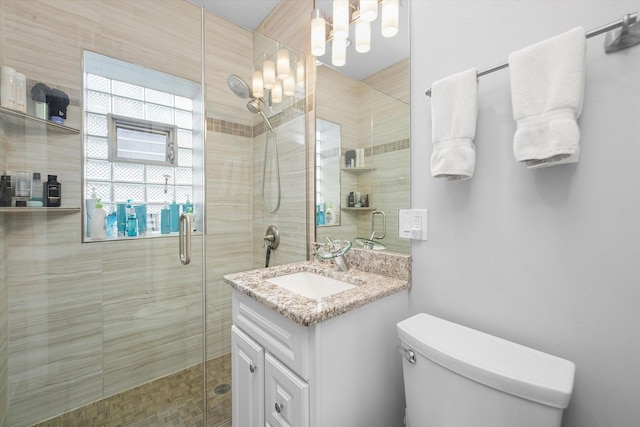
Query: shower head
{"x": 254, "y": 106}
{"x": 238, "y": 86}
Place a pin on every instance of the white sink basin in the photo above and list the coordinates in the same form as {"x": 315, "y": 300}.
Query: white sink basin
{"x": 310, "y": 285}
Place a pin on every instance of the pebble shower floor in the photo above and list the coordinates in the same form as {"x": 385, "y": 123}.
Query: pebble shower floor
{"x": 174, "y": 400}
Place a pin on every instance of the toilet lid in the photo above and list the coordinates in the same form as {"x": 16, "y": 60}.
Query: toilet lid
{"x": 492, "y": 361}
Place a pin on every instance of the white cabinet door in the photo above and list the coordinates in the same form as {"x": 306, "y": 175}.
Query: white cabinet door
{"x": 247, "y": 379}
{"x": 287, "y": 396}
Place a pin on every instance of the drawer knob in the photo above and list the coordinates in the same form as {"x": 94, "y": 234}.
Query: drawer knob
{"x": 278, "y": 407}
{"x": 252, "y": 368}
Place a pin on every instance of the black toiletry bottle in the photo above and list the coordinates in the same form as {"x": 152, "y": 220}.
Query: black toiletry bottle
{"x": 351, "y": 201}
{"x": 5, "y": 190}
{"x": 52, "y": 190}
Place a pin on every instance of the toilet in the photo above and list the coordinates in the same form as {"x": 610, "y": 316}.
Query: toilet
{"x": 455, "y": 376}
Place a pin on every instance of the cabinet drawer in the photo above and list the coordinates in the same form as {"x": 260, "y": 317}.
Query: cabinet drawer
{"x": 286, "y": 340}
{"x": 286, "y": 396}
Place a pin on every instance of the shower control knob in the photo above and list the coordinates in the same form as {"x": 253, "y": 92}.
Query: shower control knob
{"x": 278, "y": 407}
{"x": 252, "y": 368}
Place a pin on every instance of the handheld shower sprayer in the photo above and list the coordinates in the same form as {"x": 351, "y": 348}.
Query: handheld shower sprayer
{"x": 241, "y": 89}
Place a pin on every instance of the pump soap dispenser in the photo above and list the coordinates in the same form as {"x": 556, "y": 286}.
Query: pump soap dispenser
{"x": 98, "y": 221}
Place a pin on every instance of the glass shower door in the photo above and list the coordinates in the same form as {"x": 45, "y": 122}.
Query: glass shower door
{"x": 100, "y": 331}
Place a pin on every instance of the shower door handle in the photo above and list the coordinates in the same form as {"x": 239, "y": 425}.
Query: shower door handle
{"x": 384, "y": 225}
{"x": 185, "y": 239}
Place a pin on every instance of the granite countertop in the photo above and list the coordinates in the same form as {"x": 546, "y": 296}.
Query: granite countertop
{"x": 388, "y": 274}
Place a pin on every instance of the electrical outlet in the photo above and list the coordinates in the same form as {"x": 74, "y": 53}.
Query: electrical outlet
{"x": 412, "y": 224}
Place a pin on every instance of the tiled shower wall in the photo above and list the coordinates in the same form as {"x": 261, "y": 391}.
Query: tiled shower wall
{"x": 228, "y": 50}
{"x": 88, "y": 320}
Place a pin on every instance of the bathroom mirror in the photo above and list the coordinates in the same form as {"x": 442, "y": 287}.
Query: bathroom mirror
{"x": 372, "y": 113}
{"x": 327, "y": 173}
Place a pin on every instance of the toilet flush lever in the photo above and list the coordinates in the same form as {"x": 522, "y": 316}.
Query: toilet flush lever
{"x": 408, "y": 354}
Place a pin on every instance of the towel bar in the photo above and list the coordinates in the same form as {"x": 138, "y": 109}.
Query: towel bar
{"x": 627, "y": 36}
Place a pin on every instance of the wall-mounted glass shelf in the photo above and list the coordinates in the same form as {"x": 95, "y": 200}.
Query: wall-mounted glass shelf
{"x": 358, "y": 209}
{"x": 15, "y": 118}
{"x": 147, "y": 235}
{"x": 358, "y": 169}
{"x": 18, "y": 210}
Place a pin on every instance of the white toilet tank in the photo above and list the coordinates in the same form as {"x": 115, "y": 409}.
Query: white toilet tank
{"x": 455, "y": 376}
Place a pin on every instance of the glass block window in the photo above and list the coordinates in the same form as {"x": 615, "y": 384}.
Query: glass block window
{"x": 141, "y": 136}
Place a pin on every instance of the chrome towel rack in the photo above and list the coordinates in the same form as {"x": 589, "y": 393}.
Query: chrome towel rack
{"x": 627, "y": 36}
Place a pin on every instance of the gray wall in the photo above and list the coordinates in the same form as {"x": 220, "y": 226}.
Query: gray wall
{"x": 546, "y": 258}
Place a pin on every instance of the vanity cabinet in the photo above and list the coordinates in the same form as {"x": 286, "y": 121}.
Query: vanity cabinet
{"x": 344, "y": 371}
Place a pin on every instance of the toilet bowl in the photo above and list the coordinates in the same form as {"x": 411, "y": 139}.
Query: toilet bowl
{"x": 455, "y": 376}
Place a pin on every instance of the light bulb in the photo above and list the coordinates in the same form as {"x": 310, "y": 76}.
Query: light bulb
{"x": 289, "y": 86}
{"x": 390, "y": 11}
{"x": 340, "y": 19}
{"x": 368, "y": 10}
{"x": 318, "y": 32}
{"x": 276, "y": 93}
{"x": 363, "y": 36}
{"x": 338, "y": 52}
{"x": 282, "y": 63}
{"x": 300, "y": 73}
{"x": 269, "y": 74}
{"x": 257, "y": 84}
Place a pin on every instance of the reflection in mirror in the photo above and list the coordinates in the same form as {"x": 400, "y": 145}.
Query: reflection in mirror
{"x": 375, "y": 126}
{"x": 327, "y": 173}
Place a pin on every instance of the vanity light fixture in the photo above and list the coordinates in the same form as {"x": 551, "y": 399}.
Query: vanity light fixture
{"x": 269, "y": 74}
{"x": 345, "y": 13}
{"x": 257, "y": 84}
{"x": 276, "y": 78}
{"x": 300, "y": 73}
{"x": 276, "y": 92}
{"x": 318, "y": 32}
{"x": 390, "y": 18}
{"x": 338, "y": 52}
{"x": 289, "y": 86}
{"x": 341, "y": 19}
{"x": 368, "y": 10}
{"x": 363, "y": 36}
{"x": 282, "y": 62}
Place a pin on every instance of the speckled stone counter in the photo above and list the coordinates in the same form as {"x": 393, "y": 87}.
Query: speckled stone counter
{"x": 375, "y": 275}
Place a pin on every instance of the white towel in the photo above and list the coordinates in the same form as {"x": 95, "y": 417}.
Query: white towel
{"x": 454, "y": 110}
{"x": 547, "y": 88}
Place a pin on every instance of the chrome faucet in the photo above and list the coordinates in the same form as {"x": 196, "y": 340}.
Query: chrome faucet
{"x": 335, "y": 250}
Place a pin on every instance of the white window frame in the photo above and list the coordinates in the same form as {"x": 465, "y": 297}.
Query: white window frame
{"x": 116, "y": 122}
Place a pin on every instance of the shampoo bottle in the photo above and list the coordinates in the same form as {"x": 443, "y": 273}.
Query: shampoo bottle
{"x": 52, "y": 192}
{"x": 132, "y": 220}
{"x": 90, "y": 207}
{"x": 187, "y": 207}
{"x": 328, "y": 215}
{"x": 175, "y": 216}
{"x": 165, "y": 220}
{"x": 98, "y": 222}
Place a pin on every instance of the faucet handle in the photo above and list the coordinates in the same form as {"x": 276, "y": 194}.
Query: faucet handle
{"x": 268, "y": 238}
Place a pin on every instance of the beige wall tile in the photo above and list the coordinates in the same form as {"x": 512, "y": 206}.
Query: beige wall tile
{"x": 287, "y": 22}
